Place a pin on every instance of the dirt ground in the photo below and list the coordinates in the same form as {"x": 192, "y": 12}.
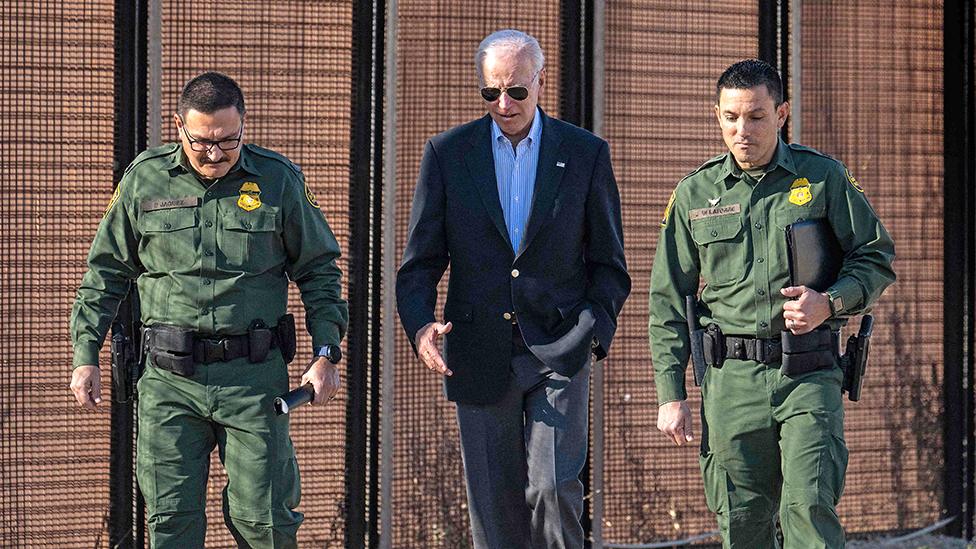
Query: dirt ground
{"x": 922, "y": 542}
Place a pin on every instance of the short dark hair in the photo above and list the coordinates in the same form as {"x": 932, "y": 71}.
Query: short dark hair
{"x": 750, "y": 73}
{"x": 210, "y": 92}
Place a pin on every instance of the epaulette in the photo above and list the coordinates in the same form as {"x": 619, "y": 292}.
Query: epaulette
{"x": 714, "y": 160}
{"x": 268, "y": 153}
{"x": 155, "y": 152}
{"x": 804, "y": 148}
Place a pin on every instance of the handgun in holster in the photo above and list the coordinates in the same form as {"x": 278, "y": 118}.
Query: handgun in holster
{"x": 855, "y": 359}
{"x": 696, "y": 336}
{"x": 126, "y": 361}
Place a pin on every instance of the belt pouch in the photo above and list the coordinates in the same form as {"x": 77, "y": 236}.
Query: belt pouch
{"x": 178, "y": 364}
{"x": 806, "y": 353}
{"x": 713, "y": 344}
{"x": 259, "y": 339}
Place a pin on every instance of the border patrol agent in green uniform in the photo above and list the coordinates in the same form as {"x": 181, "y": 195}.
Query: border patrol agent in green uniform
{"x": 212, "y": 230}
{"x": 771, "y": 442}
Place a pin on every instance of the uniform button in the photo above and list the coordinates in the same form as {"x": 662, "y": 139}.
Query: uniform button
{"x": 763, "y": 324}
{"x": 760, "y": 260}
{"x": 507, "y": 316}
{"x": 758, "y": 225}
{"x": 714, "y": 233}
{"x": 209, "y": 223}
{"x": 167, "y": 226}
{"x": 515, "y": 273}
{"x": 762, "y": 292}
{"x": 204, "y": 310}
{"x": 247, "y": 225}
{"x": 208, "y": 253}
{"x": 206, "y": 281}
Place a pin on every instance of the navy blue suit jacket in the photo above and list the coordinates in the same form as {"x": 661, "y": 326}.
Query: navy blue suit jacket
{"x": 567, "y": 283}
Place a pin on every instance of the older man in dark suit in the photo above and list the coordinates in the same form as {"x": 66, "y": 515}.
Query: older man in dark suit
{"x": 526, "y": 211}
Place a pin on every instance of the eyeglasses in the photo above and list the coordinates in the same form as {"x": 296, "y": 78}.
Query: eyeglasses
{"x": 518, "y": 93}
{"x": 206, "y": 145}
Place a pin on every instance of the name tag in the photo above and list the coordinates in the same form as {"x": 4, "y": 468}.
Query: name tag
{"x": 170, "y": 203}
{"x": 702, "y": 213}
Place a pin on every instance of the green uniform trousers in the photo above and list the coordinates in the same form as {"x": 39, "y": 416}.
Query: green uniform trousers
{"x": 770, "y": 442}
{"x": 228, "y": 405}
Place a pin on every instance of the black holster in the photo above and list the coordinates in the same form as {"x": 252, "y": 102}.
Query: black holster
{"x": 287, "y": 338}
{"x": 808, "y": 352}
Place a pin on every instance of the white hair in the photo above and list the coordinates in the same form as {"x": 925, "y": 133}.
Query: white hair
{"x": 512, "y": 40}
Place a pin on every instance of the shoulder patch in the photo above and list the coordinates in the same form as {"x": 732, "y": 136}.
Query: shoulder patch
{"x": 268, "y": 153}
{"x": 850, "y": 178}
{"x": 667, "y": 209}
{"x": 114, "y": 199}
{"x": 310, "y": 196}
{"x": 155, "y": 152}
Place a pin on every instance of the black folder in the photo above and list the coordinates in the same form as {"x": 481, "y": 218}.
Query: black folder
{"x": 815, "y": 256}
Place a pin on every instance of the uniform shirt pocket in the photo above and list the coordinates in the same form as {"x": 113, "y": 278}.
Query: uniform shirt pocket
{"x": 169, "y": 238}
{"x": 250, "y": 241}
{"x": 722, "y": 248}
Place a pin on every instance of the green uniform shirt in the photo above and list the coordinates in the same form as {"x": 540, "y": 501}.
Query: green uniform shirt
{"x": 729, "y": 229}
{"x": 211, "y": 256}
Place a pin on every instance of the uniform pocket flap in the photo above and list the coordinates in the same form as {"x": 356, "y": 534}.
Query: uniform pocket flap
{"x": 163, "y": 221}
{"x": 714, "y": 230}
{"x": 251, "y": 222}
{"x": 789, "y": 216}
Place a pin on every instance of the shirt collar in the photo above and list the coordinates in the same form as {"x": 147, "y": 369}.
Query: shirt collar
{"x": 783, "y": 157}
{"x": 534, "y": 131}
{"x": 176, "y": 160}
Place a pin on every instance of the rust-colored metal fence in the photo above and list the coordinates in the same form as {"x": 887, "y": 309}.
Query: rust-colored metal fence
{"x": 867, "y": 85}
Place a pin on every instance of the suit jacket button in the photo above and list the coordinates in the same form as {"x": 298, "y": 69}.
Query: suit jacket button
{"x": 507, "y": 316}
{"x": 515, "y": 273}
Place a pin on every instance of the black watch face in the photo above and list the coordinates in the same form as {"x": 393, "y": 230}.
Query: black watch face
{"x": 332, "y": 353}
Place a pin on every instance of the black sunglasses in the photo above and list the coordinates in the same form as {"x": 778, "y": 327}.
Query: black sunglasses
{"x": 518, "y": 93}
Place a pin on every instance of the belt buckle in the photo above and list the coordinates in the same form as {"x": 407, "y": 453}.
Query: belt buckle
{"x": 213, "y": 350}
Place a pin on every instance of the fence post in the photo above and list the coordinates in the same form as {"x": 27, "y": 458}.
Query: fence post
{"x": 125, "y": 502}
{"x": 958, "y": 258}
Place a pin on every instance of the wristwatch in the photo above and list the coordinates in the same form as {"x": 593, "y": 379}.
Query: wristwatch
{"x": 331, "y": 352}
{"x": 836, "y": 303}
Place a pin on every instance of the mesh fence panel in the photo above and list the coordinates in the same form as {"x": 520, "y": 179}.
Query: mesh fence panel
{"x": 437, "y": 88}
{"x": 56, "y": 112}
{"x": 872, "y": 96}
{"x": 293, "y": 61}
{"x": 662, "y": 60}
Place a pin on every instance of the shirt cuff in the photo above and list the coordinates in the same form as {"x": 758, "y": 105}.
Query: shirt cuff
{"x": 326, "y": 333}
{"x": 670, "y": 387}
{"x": 849, "y": 293}
{"x": 85, "y": 354}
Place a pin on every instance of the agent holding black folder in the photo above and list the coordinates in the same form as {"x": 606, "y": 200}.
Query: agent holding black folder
{"x": 773, "y": 434}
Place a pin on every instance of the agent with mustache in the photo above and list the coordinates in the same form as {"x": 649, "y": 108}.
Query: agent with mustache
{"x": 211, "y": 230}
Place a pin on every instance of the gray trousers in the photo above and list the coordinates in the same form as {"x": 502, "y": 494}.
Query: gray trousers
{"x": 523, "y": 456}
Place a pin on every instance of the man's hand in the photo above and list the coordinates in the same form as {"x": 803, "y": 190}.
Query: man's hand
{"x": 324, "y": 377}
{"x": 674, "y": 420}
{"x": 427, "y": 350}
{"x": 806, "y": 313}
{"x": 86, "y": 385}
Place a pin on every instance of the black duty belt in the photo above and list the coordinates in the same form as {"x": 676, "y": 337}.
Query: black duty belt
{"x": 798, "y": 354}
{"x": 178, "y": 349}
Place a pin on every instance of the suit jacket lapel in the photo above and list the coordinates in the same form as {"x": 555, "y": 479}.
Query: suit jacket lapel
{"x": 548, "y": 176}
{"x": 480, "y": 161}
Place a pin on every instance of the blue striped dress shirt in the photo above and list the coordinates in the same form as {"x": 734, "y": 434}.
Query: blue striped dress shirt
{"x": 515, "y": 173}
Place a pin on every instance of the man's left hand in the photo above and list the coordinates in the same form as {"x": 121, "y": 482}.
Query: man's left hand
{"x": 807, "y": 312}
{"x": 324, "y": 377}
